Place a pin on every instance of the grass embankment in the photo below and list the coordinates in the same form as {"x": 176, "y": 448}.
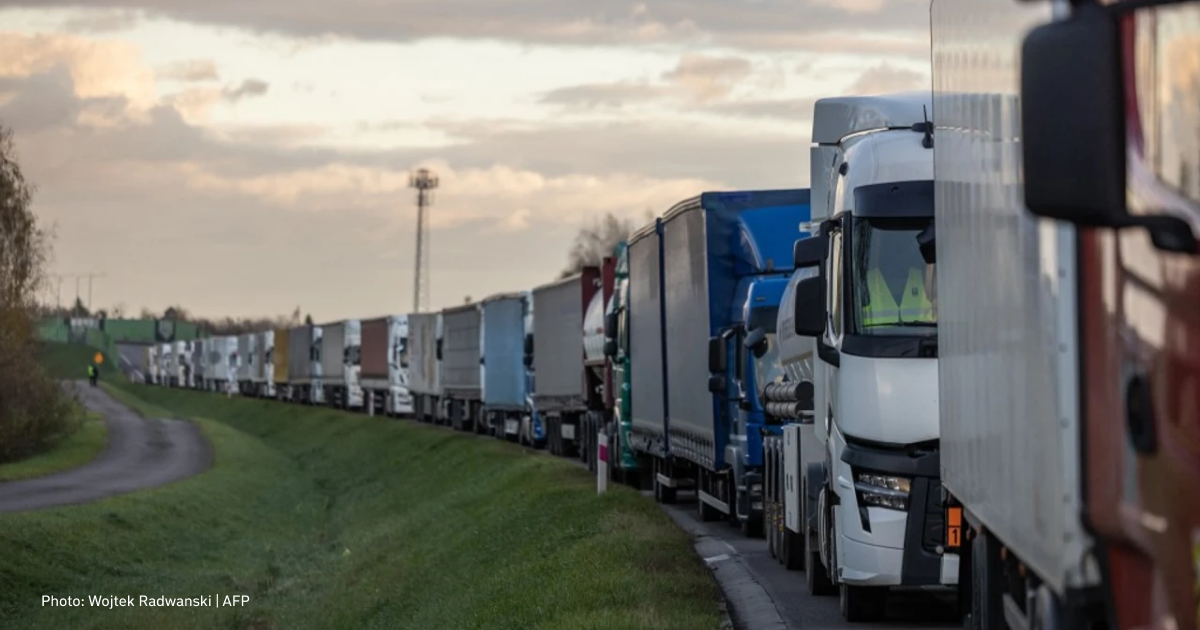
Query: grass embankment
{"x": 80, "y": 447}
{"x": 329, "y": 520}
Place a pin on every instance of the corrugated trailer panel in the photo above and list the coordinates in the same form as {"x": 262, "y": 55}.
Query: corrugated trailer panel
{"x": 300, "y": 368}
{"x": 263, "y": 343}
{"x": 333, "y": 346}
{"x": 424, "y": 374}
{"x": 645, "y": 334}
{"x": 558, "y": 342}
{"x": 460, "y": 351}
{"x": 280, "y": 358}
{"x": 1006, "y": 301}
{"x": 503, "y": 378}
{"x": 685, "y": 280}
{"x": 245, "y": 353}
{"x": 375, "y": 349}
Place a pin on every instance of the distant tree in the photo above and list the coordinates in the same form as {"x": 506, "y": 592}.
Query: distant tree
{"x": 595, "y": 240}
{"x": 118, "y": 310}
{"x": 146, "y": 313}
{"x": 295, "y": 316}
{"x": 79, "y": 310}
{"x": 467, "y": 300}
{"x": 308, "y": 321}
{"x": 101, "y": 314}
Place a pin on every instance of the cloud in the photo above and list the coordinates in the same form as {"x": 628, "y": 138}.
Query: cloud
{"x": 886, "y": 78}
{"x": 97, "y": 69}
{"x": 191, "y": 71}
{"x": 744, "y": 23}
{"x": 248, "y": 88}
{"x": 102, "y": 21}
{"x": 709, "y": 78}
{"x": 698, "y": 78}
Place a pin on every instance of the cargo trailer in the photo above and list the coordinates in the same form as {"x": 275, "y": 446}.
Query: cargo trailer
{"x": 182, "y": 368}
{"x": 460, "y": 367}
{"x": 648, "y": 404}
{"x": 196, "y": 347}
{"x": 152, "y": 364}
{"x": 164, "y": 364}
{"x": 425, "y": 363}
{"x": 221, "y": 373}
{"x": 245, "y": 363}
{"x": 280, "y": 364}
{"x": 384, "y": 374}
{"x": 1067, "y": 201}
{"x": 561, "y": 397}
{"x": 341, "y": 363}
{"x": 503, "y": 380}
{"x": 261, "y": 371}
{"x": 304, "y": 364}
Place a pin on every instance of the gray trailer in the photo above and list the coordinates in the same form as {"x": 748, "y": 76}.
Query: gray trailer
{"x": 341, "y": 363}
{"x": 461, "y": 366}
{"x": 503, "y": 381}
{"x": 425, "y": 364}
{"x": 245, "y": 363}
{"x": 558, "y": 357}
{"x": 304, "y": 364}
{"x": 648, "y": 404}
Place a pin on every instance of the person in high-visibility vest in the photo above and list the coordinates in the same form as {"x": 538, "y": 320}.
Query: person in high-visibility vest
{"x": 914, "y": 307}
{"x": 92, "y": 373}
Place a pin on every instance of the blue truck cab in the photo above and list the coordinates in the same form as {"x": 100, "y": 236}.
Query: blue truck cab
{"x": 726, "y": 261}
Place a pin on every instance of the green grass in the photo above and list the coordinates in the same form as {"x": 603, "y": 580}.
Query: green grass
{"x": 329, "y": 520}
{"x": 70, "y": 361}
{"x": 77, "y": 449}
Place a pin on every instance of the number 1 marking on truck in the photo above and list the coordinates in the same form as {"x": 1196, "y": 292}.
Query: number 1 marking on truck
{"x": 954, "y": 527}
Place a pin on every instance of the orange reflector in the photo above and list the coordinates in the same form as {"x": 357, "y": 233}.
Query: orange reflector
{"x": 954, "y": 517}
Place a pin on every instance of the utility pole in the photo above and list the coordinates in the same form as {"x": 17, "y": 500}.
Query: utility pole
{"x": 424, "y": 181}
{"x": 78, "y": 277}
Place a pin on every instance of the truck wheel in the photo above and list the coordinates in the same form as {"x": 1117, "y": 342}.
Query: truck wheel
{"x": 794, "y": 559}
{"x": 863, "y": 603}
{"x": 816, "y": 576}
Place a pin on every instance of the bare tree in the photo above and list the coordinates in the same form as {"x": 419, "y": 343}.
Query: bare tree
{"x": 596, "y": 239}
{"x": 34, "y": 414}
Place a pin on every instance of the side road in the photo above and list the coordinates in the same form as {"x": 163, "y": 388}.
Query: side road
{"x": 140, "y": 454}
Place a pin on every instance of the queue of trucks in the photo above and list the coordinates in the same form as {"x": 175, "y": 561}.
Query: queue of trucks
{"x": 1019, "y": 429}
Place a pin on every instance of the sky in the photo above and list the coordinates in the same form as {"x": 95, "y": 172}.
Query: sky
{"x": 245, "y": 158}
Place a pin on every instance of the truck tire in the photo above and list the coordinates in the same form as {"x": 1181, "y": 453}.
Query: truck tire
{"x": 816, "y": 576}
{"x": 794, "y": 556}
{"x": 863, "y": 603}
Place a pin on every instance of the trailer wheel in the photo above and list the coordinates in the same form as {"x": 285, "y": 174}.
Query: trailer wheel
{"x": 863, "y": 603}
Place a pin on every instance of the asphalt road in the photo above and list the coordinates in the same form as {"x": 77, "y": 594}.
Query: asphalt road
{"x": 910, "y": 610}
{"x": 140, "y": 454}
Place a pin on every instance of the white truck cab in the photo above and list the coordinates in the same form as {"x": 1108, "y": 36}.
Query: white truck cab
{"x": 873, "y": 497}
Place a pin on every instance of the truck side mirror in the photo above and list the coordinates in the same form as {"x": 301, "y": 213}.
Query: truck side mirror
{"x": 716, "y": 384}
{"x": 439, "y": 349}
{"x": 810, "y": 307}
{"x": 610, "y": 325}
{"x": 756, "y": 342}
{"x": 1073, "y": 132}
{"x": 610, "y": 348}
{"x": 810, "y": 251}
{"x": 716, "y": 355}
{"x": 927, "y": 243}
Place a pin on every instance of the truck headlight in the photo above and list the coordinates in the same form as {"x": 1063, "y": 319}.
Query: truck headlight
{"x": 884, "y": 491}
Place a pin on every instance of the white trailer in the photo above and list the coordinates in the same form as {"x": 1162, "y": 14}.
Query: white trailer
{"x": 262, "y": 373}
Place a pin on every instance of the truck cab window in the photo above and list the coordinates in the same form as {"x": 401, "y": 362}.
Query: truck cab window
{"x": 893, "y": 291}
{"x": 834, "y": 273}
{"x": 1168, "y": 92}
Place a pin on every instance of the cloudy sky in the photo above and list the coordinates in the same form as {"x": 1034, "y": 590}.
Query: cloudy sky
{"x": 246, "y": 157}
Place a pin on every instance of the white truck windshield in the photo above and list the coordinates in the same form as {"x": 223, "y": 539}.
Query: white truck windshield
{"x": 894, "y": 288}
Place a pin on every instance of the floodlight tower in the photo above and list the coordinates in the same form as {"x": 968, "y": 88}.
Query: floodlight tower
{"x": 424, "y": 181}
